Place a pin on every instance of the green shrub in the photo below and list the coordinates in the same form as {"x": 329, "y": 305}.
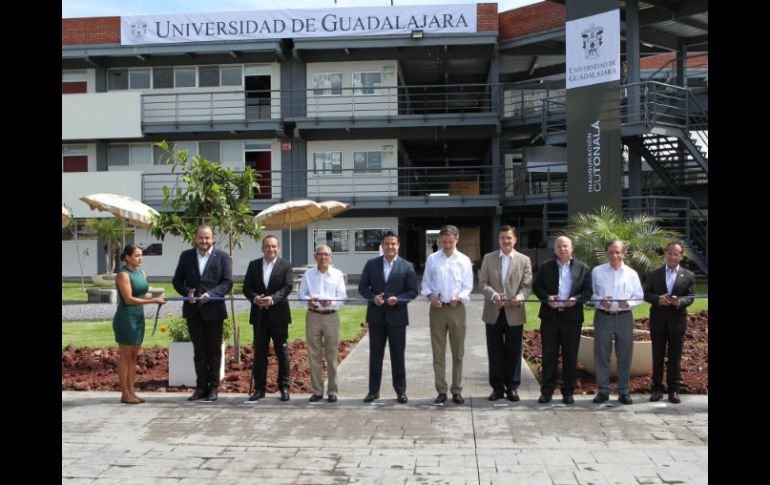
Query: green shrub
{"x": 176, "y": 329}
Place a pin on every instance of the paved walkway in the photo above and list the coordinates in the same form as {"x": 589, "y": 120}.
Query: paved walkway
{"x": 168, "y": 440}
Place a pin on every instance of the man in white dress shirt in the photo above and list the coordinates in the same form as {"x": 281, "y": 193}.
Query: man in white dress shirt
{"x": 323, "y": 287}
{"x": 448, "y": 282}
{"x": 616, "y": 290}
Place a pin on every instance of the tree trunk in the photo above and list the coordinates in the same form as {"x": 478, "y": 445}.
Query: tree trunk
{"x": 236, "y": 331}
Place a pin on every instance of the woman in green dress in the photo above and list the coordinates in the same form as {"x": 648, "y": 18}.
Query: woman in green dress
{"x": 128, "y": 323}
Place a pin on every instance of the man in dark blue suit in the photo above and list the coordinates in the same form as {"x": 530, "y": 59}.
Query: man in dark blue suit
{"x": 389, "y": 282}
{"x": 268, "y": 283}
{"x": 204, "y": 272}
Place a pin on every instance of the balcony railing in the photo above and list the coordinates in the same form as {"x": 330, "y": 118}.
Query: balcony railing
{"x": 219, "y": 107}
{"x": 545, "y": 180}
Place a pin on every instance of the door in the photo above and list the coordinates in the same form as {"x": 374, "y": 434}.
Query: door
{"x": 257, "y": 97}
{"x": 260, "y": 162}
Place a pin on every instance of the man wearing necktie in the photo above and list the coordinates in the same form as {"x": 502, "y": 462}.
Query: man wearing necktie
{"x": 668, "y": 289}
{"x": 388, "y": 282}
{"x": 506, "y": 279}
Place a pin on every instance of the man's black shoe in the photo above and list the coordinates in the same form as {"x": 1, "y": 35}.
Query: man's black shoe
{"x": 198, "y": 394}
{"x": 656, "y": 396}
{"x": 440, "y": 399}
{"x": 601, "y": 397}
{"x": 544, "y": 398}
{"x": 457, "y": 398}
{"x": 372, "y": 396}
{"x": 625, "y": 399}
{"x": 332, "y": 398}
{"x": 284, "y": 394}
{"x": 568, "y": 399}
{"x": 512, "y": 395}
{"x": 212, "y": 395}
{"x": 315, "y": 398}
{"x": 674, "y": 397}
{"x": 402, "y": 399}
{"x": 257, "y": 396}
{"x": 496, "y": 395}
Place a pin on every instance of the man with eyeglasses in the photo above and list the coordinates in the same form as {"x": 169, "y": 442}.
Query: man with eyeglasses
{"x": 323, "y": 288}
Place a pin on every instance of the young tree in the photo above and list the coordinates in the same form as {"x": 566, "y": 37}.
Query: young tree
{"x": 645, "y": 241}
{"x": 110, "y": 230}
{"x": 210, "y": 194}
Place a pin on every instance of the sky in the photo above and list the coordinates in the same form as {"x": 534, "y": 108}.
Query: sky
{"x": 107, "y": 8}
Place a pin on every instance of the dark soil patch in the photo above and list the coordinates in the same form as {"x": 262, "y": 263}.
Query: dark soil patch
{"x": 694, "y": 358}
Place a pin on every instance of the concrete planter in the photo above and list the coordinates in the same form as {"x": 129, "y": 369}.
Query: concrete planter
{"x": 641, "y": 361}
{"x": 106, "y": 280}
{"x": 181, "y": 367}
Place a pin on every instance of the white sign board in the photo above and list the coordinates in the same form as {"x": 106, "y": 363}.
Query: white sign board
{"x": 593, "y": 49}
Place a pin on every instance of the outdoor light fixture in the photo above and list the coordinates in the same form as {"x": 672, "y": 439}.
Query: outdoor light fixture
{"x": 418, "y": 34}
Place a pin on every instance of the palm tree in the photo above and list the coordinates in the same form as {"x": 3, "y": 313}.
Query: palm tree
{"x": 645, "y": 241}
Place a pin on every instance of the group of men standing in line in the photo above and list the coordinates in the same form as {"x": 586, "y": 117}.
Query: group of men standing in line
{"x": 389, "y": 283}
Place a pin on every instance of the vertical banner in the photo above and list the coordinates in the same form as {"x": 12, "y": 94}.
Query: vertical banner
{"x": 595, "y": 166}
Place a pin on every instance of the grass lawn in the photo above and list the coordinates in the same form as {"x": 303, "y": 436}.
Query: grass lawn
{"x": 71, "y": 291}
{"x": 100, "y": 334}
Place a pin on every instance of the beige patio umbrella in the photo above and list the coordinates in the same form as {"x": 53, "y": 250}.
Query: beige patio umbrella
{"x": 294, "y": 214}
{"x": 333, "y": 207}
{"x": 127, "y": 209}
{"x": 65, "y": 217}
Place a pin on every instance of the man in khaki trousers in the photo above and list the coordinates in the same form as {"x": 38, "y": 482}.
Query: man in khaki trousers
{"x": 506, "y": 279}
{"x": 323, "y": 287}
{"x": 448, "y": 282}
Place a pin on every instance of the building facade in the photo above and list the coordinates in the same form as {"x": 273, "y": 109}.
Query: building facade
{"x": 416, "y": 116}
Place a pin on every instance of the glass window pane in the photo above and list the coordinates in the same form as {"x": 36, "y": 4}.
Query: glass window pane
{"x": 118, "y": 155}
{"x": 209, "y": 150}
{"x": 232, "y": 151}
{"x": 190, "y": 146}
{"x": 162, "y": 77}
{"x": 157, "y": 153}
{"x": 208, "y": 76}
{"x": 139, "y": 79}
{"x": 232, "y": 76}
{"x": 117, "y": 79}
{"x": 184, "y": 77}
{"x": 141, "y": 154}
{"x": 375, "y": 162}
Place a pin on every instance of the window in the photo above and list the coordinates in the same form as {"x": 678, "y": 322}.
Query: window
{"x": 367, "y": 162}
{"x": 232, "y": 151}
{"x": 162, "y": 78}
{"x": 208, "y": 76}
{"x": 209, "y": 150}
{"x": 117, "y": 79}
{"x": 366, "y": 82}
{"x": 327, "y": 163}
{"x": 327, "y": 83}
{"x": 232, "y": 76}
{"x": 140, "y": 154}
{"x": 139, "y": 79}
{"x": 368, "y": 240}
{"x": 118, "y": 156}
{"x": 81, "y": 232}
{"x": 133, "y": 154}
{"x": 184, "y": 77}
{"x": 336, "y": 239}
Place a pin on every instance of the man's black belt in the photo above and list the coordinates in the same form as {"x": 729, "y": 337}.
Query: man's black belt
{"x": 322, "y": 312}
{"x": 621, "y": 312}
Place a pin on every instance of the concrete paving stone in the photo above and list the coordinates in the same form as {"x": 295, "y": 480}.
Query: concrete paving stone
{"x": 582, "y": 456}
{"x": 140, "y": 481}
{"x": 585, "y": 477}
{"x": 621, "y": 457}
{"x": 77, "y": 481}
{"x": 648, "y": 479}
{"x": 148, "y": 471}
{"x": 523, "y": 468}
{"x": 84, "y": 470}
{"x": 309, "y": 478}
{"x": 562, "y": 475}
{"x": 259, "y": 475}
{"x": 689, "y": 455}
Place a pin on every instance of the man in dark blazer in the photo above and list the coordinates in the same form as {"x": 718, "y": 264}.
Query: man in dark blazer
{"x": 387, "y": 281}
{"x": 204, "y": 272}
{"x": 667, "y": 289}
{"x": 268, "y": 283}
{"x": 562, "y": 278}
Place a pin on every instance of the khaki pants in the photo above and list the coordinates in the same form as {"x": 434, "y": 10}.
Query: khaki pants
{"x": 447, "y": 319}
{"x": 323, "y": 339}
